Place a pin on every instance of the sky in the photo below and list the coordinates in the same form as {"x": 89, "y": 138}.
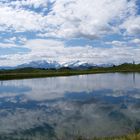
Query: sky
{"x": 92, "y": 31}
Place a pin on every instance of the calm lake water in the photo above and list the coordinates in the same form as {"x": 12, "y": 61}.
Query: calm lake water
{"x": 63, "y": 108}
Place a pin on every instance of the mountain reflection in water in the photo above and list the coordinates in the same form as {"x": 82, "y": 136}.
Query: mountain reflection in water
{"x": 66, "y": 107}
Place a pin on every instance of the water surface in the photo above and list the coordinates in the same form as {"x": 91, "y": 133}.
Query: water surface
{"x": 62, "y": 108}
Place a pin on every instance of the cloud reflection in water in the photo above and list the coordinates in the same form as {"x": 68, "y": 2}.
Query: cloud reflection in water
{"x": 64, "y": 107}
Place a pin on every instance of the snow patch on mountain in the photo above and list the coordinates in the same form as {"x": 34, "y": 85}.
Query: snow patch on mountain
{"x": 54, "y": 64}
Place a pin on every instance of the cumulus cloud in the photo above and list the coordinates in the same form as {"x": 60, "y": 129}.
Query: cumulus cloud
{"x": 132, "y": 25}
{"x": 74, "y": 18}
{"x": 88, "y": 18}
{"x": 20, "y": 20}
{"x": 24, "y": 22}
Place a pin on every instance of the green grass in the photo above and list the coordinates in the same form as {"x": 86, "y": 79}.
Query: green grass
{"x": 127, "y": 137}
{"x": 38, "y": 73}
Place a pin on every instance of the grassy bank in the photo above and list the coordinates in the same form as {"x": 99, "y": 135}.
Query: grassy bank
{"x": 38, "y": 73}
{"x": 127, "y": 137}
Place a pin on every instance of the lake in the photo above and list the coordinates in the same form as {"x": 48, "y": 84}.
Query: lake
{"x": 62, "y": 108}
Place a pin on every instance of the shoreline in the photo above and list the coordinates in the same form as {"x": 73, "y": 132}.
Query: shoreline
{"x": 28, "y": 73}
{"x": 54, "y": 73}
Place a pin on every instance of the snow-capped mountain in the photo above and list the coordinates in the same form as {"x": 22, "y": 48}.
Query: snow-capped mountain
{"x": 54, "y": 64}
{"x": 78, "y": 64}
{"x": 40, "y": 64}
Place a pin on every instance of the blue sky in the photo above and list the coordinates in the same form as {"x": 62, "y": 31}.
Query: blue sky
{"x": 92, "y": 31}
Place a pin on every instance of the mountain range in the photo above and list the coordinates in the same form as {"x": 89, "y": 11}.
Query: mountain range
{"x": 43, "y": 64}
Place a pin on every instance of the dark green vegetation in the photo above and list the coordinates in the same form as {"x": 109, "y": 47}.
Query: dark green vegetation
{"x": 127, "y": 137}
{"x": 38, "y": 73}
{"x": 42, "y": 137}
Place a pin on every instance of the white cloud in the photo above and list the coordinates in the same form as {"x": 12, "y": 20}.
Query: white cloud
{"x": 136, "y": 41}
{"x": 125, "y": 43}
{"x": 132, "y": 25}
{"x": 22, "y": 39}
{"x": 51, "y": 50}
{"x": 11, "y": 40}
{"x": 20, "y": 20}
{"x": 70, "y": 18}
{"x": 30, "y": 3}
{"x": 117, "y": 43}
{"x": 7, "y": 45}
{"x": 88, "y": 18}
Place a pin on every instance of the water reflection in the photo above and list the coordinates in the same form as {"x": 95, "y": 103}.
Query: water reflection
{"x": 66, "y": 107}
{"x": 134, "y": 77}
